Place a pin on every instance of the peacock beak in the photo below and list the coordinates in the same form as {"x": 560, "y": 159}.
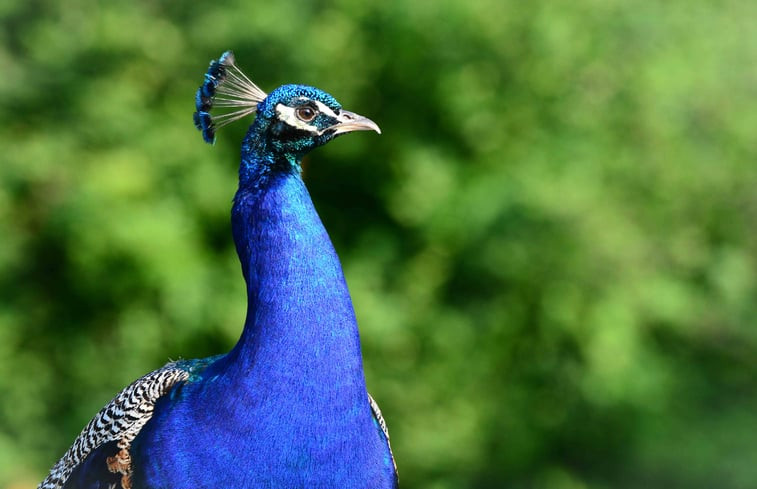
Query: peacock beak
{"x": 350, "y": 121}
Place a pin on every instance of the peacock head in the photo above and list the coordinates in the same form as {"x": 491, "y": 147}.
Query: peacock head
{"x": 292, "y": 119}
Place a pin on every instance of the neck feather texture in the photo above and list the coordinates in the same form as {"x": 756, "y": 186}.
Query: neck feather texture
{"x": 301, "y": 329}
{"x": 287, "y": 407}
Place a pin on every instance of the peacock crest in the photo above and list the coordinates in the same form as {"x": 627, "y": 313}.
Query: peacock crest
{"x": 225, "y": 87}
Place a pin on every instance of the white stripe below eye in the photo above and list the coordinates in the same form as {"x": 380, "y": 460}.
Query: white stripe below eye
{"x": 286, "y": 114}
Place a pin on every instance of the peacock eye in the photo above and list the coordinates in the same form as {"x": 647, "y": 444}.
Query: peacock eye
{"x": 306, "y": 114}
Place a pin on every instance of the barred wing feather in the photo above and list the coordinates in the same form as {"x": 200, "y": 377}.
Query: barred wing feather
{"x": 119, "y": 421}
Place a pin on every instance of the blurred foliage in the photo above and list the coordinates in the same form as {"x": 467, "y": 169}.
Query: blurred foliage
{"x": 551, "y": 248}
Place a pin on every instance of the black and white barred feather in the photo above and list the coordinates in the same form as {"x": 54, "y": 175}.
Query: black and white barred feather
{"x": 382, "y": 424}
{"x": 125, "y": 415}
{"x": 120, "y": 420}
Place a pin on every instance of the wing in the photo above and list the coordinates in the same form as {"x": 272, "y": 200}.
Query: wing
{"x": 382, "y": 424}
{"x": 108, "y": 436}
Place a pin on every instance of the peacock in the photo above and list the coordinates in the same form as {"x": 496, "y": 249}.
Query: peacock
{"x": 287, "y": 407}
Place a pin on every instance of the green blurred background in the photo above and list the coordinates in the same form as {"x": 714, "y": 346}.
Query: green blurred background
{"x": 551, "y": 248}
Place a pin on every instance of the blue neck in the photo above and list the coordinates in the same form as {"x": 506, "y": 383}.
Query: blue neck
{"x": 300, "y": 321}
{"x": 289, "y": 401}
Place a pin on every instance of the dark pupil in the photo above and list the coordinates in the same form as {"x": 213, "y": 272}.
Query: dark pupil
{"x": 306, "y": 113}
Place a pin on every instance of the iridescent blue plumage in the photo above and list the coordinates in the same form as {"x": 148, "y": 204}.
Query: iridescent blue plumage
{"x": 287, "y": 406}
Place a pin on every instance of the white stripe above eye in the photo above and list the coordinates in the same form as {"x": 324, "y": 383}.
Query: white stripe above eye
{"x": 324, "y": 109}
{"x": 287, "y": 114}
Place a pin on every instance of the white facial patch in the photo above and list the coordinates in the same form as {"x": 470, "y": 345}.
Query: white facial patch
{"x": 288, "y": 114}
{"x": 324, "y": 109}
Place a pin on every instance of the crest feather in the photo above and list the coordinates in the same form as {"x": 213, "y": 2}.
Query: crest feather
{"x": 226, "y": 87}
